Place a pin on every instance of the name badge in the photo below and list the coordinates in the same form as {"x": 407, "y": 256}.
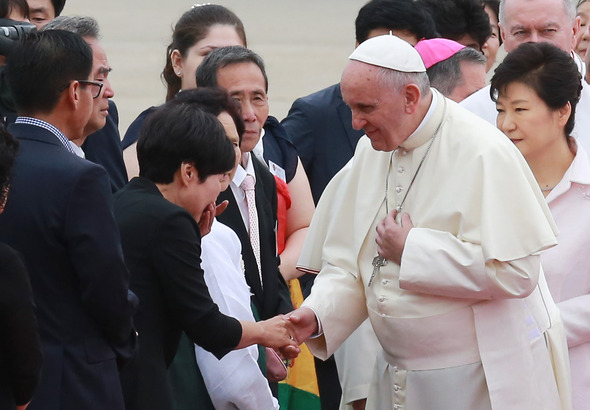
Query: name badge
{"x": 277, "y": 170}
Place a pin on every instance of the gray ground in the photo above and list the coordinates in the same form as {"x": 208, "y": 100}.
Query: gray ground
{"x": 305, "y": 44}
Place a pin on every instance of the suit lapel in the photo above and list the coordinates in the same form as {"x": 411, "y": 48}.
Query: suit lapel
{"x": 346, "y": 118}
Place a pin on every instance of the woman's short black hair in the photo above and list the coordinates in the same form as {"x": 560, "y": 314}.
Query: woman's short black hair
{"x": 548, "y": 70}
{"x": 182, "y": 131}
{"x": 214, "y": 100}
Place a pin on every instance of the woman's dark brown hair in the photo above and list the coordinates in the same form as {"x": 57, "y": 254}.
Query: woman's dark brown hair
{"x": 191, "y": 28}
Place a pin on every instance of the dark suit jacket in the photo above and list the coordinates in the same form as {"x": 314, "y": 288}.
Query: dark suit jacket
{"x": 162, "y": 247}
{"x": 20, "y": 353}
{"x": 320, "y": 126}
{"x": 104, "y": 148}
{"x": 275, "y": 298}
{"x": 132, "y": 133}
{"x": 59, "y": 217}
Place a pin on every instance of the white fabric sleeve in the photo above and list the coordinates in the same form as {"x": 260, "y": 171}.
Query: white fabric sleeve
{"x": 438, "y": 263}
{"x": 338, "y": 316}
{"x": 235, "y": 381}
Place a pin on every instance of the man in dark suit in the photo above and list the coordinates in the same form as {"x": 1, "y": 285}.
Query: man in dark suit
{"x": 101, "y": 143}
{"x": 320, "y": 126}
{"x": 241, "y": 72}
{"x": 59, "y": 217}
{"x": 184, "y": 157}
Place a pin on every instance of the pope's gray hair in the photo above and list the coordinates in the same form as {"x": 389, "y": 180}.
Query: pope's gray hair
{"x": 568, "y": 7}
{"x": 396, "y": 80}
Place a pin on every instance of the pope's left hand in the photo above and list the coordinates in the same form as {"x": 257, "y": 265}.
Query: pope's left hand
{"x": 391, "y": 236}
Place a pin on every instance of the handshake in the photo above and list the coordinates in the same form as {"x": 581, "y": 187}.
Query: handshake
{"x": 286, "y": 332}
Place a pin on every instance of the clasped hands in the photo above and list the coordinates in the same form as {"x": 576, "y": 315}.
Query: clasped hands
{"x": 391, "y": 236}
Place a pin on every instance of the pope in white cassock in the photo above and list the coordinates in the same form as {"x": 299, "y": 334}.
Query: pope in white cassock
{"x": 433, "y": 231}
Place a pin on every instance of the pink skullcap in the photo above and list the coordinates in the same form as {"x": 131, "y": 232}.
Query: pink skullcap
{"x": 435, "y": 50}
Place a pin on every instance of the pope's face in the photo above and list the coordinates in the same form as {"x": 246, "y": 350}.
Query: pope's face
{"x": 376, "y": 109}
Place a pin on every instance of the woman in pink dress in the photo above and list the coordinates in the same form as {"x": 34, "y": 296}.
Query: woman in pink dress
{"x": 536, "y": 90}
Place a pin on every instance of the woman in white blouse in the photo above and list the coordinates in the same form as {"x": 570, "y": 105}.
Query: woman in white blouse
{"x": 536, "y": 90}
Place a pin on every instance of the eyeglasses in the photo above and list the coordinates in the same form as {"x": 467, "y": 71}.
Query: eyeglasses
{"x": 97, "y": 84}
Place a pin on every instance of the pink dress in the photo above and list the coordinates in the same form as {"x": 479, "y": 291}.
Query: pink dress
{"x": 567, "y": 269}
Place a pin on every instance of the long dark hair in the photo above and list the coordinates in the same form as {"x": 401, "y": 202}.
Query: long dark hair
{"x": 191, "y": 28}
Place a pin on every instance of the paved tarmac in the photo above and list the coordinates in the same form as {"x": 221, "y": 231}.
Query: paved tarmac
{"x": 305, "y": 45}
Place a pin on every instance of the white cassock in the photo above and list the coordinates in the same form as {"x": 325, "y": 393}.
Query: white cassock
{"x": 481, "y": 104}
{"x": 454, "y": 328}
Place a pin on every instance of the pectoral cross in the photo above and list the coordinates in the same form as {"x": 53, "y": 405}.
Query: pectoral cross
{"x": 378, "y": 261}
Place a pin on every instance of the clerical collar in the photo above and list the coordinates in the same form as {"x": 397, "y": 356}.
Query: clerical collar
{"x": 427, "y": 127}
{"x": 428, "y": 115}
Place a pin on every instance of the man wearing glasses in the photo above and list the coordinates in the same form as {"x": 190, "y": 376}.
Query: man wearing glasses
{"x": 101, "y": 142}
{"x": 59, "y": 218}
